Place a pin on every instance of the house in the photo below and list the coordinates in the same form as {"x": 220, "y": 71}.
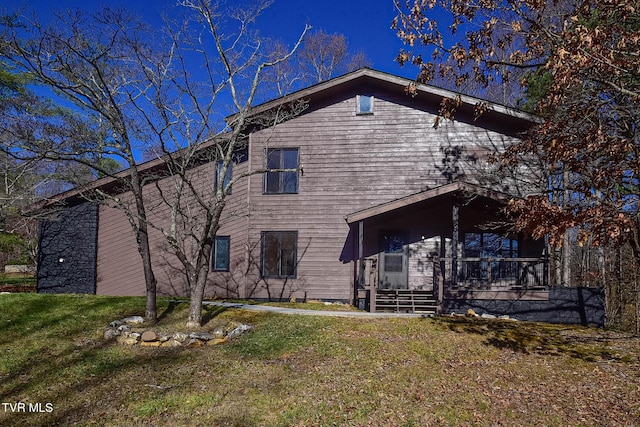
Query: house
{"x": 387, "y": 211}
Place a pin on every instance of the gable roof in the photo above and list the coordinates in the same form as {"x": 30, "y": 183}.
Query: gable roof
{"x": 458, "y": 187}
{"x": 319, "y": 94}
{"x": 425, "y": 93}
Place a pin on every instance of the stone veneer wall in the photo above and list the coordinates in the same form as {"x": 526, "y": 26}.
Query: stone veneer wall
{"x": 67, "y": 250}
{"x": 579, "y": 305}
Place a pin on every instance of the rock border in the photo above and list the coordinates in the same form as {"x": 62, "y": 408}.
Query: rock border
{"x": 129, "y": 331}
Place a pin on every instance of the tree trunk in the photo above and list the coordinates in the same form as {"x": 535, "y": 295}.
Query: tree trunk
{"x": 199, "y": 284}
{"x": 566, "y": 239}
{"x": 144, "y": 248}
{"x": 195, "y": 301}
{"x": 637, "y": 289}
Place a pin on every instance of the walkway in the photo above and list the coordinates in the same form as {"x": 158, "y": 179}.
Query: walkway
{"x": 306, "y": 312}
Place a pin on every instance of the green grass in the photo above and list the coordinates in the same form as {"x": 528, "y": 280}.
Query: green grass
{"x": 310, "y": 371}
{"x": 8, "y": 280}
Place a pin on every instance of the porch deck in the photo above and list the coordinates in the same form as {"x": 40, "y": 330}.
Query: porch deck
{"x": 476, "y": 279}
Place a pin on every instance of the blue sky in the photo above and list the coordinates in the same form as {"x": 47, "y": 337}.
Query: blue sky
{"x": 365, "y": 23}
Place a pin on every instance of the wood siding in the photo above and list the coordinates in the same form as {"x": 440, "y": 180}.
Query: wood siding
{"x": 351, "y": 162}
{"x": 119, "y": 267}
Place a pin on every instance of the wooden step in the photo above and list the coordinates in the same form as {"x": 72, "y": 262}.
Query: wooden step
{"x": 406, "y": 301}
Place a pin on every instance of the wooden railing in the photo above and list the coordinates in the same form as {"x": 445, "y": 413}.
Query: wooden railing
{"x": 472, "y": 272}
{"x": 525, "y": 272}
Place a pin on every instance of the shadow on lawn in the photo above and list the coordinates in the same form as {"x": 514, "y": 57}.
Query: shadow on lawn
{"x": 210, "y": 311}
{"x": 546, "y": 339}
{"x": 47, "y": 356}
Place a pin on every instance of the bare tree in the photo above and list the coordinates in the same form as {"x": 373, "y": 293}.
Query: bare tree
{"x": 321, "y": 57}
{"x": 134, "y": 91}
{"x": 235, "y": 68}
{"x": 86, "y": 59}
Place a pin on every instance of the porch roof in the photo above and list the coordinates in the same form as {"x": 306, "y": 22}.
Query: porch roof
{"x": 459, "y": 187}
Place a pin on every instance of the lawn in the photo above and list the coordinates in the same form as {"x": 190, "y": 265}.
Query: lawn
{"x": 309, "y": 370}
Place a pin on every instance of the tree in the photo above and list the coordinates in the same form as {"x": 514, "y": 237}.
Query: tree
{"x": 324, "y": 56}
{"x": 23, "y": 181}
{"x": 186, "y": 107}
{"x": 86, "y": 61}
{"x": 321, "y": 57}
{"x": 585, "y": 69}
{"x": 139, "y": 90}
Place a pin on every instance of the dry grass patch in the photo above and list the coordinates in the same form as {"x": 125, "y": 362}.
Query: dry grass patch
{"x": 311, "y": 371}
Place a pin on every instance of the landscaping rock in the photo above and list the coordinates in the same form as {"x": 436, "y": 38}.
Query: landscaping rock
{"x": 180, "y": 337}
{"x": 133, "y": 320}
{"x": 220, "y": 331}
{"x": 202, "y": 336}
{"x": 148, "y": 336}
{"x": 130, "y": 341}
{"x": 239, "y": 330}
{"x": 194, "y": 343}
{"x": 110, "y": 334}
{"x": 121, "y": 332}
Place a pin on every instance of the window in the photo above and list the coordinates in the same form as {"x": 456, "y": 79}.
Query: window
{"x": 364, "y": 104}
{"x": 281, "y": 182}
{"x": 221, "y": 251}
{"x": 279, "y": 254}
{"x": 481, "y": 246}
{"x": 489, "y": 245}
{"x": 227, "y": 177}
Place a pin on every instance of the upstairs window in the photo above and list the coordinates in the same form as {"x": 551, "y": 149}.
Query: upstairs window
{"x": 281, "y": 182}
{"x": 364, "y": 105}
{"x": 279, "y": 254}
{"x": 227, "y": 177}
{"x": 221, "y": 253}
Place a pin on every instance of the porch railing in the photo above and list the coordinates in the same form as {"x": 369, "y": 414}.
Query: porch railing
{"x": 522, "y": 272}
{"x": 495, "y": 273}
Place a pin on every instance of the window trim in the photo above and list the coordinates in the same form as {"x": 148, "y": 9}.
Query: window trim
{"x": 214, "y": 267}
{"x": 265, "y": 190}
{"x": 359, "y": 111}
{"x": 279, "y": 275}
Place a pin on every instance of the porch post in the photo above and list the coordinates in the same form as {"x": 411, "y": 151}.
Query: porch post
{"x": 361, "y": 253}
{"x": 545, "y": 262}
{"x": 361, "y": 282}
{"x": 454, "y": 244}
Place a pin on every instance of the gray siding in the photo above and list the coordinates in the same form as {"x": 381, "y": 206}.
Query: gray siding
{"x": 351, "y": 163}
{"x": 119, "y": 263}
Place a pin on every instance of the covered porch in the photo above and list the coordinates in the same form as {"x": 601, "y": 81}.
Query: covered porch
{"x": 446, "y": 243}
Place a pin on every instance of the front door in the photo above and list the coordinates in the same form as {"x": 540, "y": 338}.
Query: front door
{"x": 393, "y": 260}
